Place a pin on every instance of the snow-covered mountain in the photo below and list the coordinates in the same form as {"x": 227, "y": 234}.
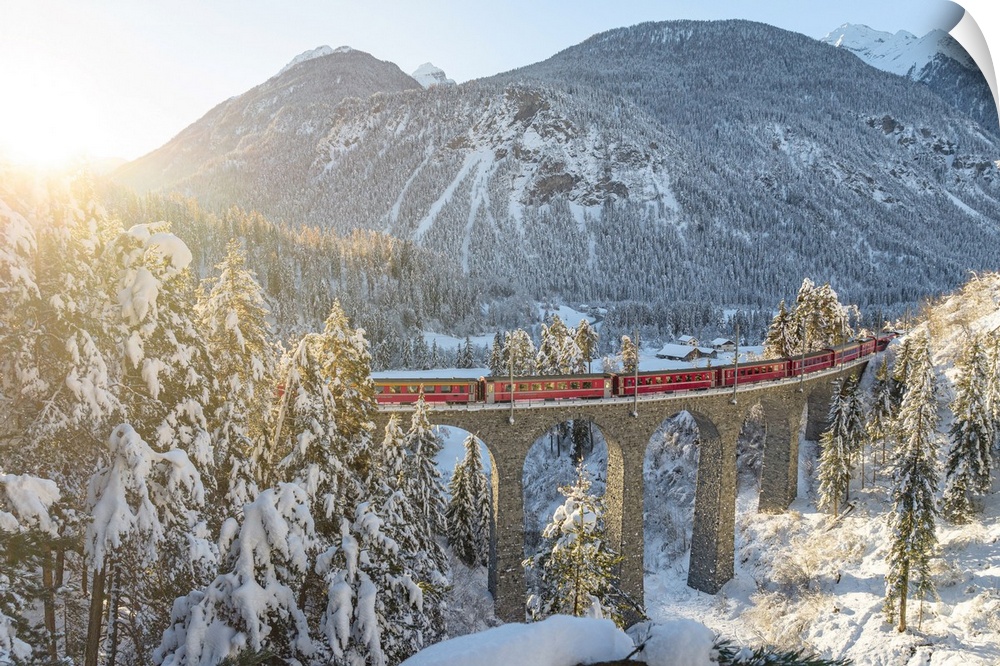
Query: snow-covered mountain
{"x": 683, "y": 161}
{"x": 428, "y": 75}
{"x": 936, "y": 59}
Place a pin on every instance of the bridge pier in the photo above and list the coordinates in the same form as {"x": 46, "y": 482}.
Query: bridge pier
{"x": 714, "y": 533}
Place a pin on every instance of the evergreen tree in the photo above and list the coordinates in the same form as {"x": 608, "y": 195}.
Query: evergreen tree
{"x": 519, "y": 351}
{"x": 558, "y": 353}
{"x": 782, "y": 336}
{"x": 835, "y": 463}
{"x": 855, "y": 420}
{"x": 253, "y": 606}
{"x": 900, "y": 371}
{"x": 498, "y": 362}
{"x": 915, "y": 483}
{"x": 466, "y": 357}
{"x": 468, "y": 509}
{"x": 879, "y": 426}
{"x": 577, "y": 566}
{"x": 427, "y": 490}
{"x": 629, "y": 355}
{"x": 233, "y": 315}
{"x": 587, "y": 340}
{"x": 143, "y": 541}
{"x": 967, "y": 471}
{"x": 29, "y": 530}
{"x": 820, "y": 318}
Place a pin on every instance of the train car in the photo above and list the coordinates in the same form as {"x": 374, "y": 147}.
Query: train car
{"x": 867, "y": 346}
{"x": 846, "y": 352}
{"x": 664, "y": 381}
{"x": 883, "y": 340}
{"x": 754, "y": 371}
{"x": 547, "y": 387}
{"x": 435, "y": 390}
{"x": 813, "y": 362}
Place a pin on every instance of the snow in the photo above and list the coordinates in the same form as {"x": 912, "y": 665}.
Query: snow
{"x": 676, "y": 643}
{"x": 29, "y": 499}
{"x": 428, "y": 75}
{"x": 556, "y": 641}
{"x": 902, "y": 53}
{"x": 317, "y": 52}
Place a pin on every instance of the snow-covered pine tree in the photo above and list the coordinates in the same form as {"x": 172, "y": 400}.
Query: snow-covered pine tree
{"x": 375, "y": 611}
{"x": 233, "y": 315}
{"x": 856, "y": 416}
{"x": 468, "y": 509}
{"x": 558, "y": 353}
{"x": 361, "y": 594}
{"x": 879, "y": 425}
{"x": 29, "y": 531}
{"x": 425, "y": 488}
{"x": 466, "y": 356}
{"x": 968, "y": 468}
{"x": 577, "y": 566}
{"x": 819, "y": 316}
{"x": 498, "y": 362}
{"x": 835, "y": 462}
{"x": 142, "y": 503}
{"x": 253, "y": 606}
{"x": 900, "y": 371}
{"x": 519, "y": 350}
{"x": 56, "y": 350}
{"x": 911, "y": 520}
{"x": 587, "y": 340}
{"x": 418, "y": 547}
{"x": 782, "y": 336}
{"x": 629, "y": 355}
{"x": 57, "y": 362}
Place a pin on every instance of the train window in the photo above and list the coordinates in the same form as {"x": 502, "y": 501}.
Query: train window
{"x": 412, "y": 389}
{"x": 561, "y": 386}
{"x": 536, "y": 387}
{"x": 588, "y": 385}
{"x": 393, "y": 389}
{"x": 574, "y": 385}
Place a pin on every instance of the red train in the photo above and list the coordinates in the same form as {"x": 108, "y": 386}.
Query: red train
{"x": 492, "y": 390}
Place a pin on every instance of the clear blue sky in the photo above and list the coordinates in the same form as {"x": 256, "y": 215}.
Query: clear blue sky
{"x": 121, "y": 77}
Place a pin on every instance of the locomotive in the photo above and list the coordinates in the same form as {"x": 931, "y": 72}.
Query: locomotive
{"x": 493, "y": 390}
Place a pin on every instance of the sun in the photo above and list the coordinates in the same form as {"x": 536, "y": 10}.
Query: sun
{"x": 48, "y": 119}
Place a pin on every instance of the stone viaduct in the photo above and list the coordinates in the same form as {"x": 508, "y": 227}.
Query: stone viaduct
{"x": 788, "y": 405}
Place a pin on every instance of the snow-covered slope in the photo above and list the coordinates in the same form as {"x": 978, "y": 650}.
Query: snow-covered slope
{"x": 806, "y": 579}
{"x": 428, "y": 75}
{"x": 901, "y": 53}
{"x": 936, "y": 59}
{"x": 317, "y": 52}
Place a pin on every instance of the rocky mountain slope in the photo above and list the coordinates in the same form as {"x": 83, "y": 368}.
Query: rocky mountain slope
{"x": 936, "y": 59}
{"x": 668, "y": 161}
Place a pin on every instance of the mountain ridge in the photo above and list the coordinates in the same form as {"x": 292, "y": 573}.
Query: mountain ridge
{"x": 667, "y": 161}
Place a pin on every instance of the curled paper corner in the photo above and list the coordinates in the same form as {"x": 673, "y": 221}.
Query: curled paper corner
{"x": 968, "y": 33}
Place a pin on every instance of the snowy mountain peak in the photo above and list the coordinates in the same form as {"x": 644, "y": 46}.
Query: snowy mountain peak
{"x": 343, "y": 49}
{"x": 902, "y": 53}
{"x": 317, "y": 52}
{"x": 428, "y": 75}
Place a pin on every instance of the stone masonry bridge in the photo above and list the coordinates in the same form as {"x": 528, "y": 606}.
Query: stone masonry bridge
{"x": 788, "y": 405}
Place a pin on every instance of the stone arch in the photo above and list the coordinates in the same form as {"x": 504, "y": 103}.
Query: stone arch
{"x": 491, "y": 470}
{"x": 614, "y": 484}
{"x": 614, "y": 489}
{"x": 669, "y": 480}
